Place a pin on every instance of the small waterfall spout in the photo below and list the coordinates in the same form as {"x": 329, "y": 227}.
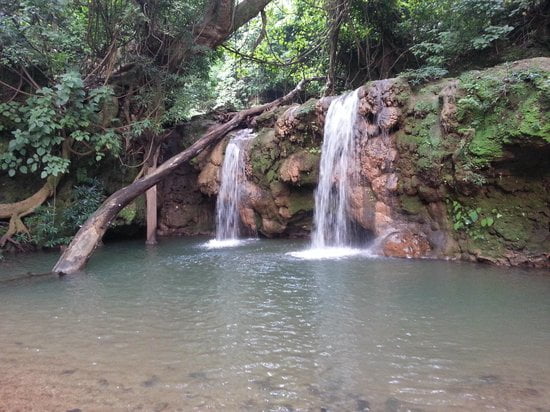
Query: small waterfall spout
{"x": 338, "y": 160}
{"x": 228, "y": 221}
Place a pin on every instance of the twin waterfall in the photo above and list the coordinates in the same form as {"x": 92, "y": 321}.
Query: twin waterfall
{"x": 228, "y": 220}
{"x": 331, "y": 236}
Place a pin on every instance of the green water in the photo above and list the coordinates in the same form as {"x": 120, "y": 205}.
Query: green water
{"x": 182, "y": 327}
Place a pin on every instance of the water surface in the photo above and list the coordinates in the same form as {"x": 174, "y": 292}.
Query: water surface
{"x": 183, "y": 327}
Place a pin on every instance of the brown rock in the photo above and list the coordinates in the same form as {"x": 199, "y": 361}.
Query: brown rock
{"x": 447, "y": 97}
{"x": 429, "y": 194}
{"x": 217, "y": 154}
{"x": 209, "y": 179}
{"x": 272, "y": 227}
{"x": 382, "y": 217}
{"x": 406, "y": 244}
{"x": 362, "y": 201}
{"x": 248, "y": 218}
{"x": 379, "y": 184}
{"x": 285, "y": 213}
{"x": 300, "y": 168}
{"x": 388, "y": 117}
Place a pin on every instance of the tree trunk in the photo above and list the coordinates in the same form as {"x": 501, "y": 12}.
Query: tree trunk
{"x": 337, "y": 11}
{"x": 151, "y": 202}
{"x": 75, "y": 257}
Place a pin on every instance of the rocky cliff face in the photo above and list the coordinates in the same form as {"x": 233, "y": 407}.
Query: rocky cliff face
{"x": 459, "y": 169}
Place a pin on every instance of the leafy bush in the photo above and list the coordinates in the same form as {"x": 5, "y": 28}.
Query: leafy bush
{"x": 42, "y": 124}
{"x": 424, "y": 74}
{"x": 50, "y": 229}
{"x": 86, "y": 200}
{"x": 46, "y": 229}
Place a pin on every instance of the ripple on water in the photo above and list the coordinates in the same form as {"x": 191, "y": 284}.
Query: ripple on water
{"x": 330, "y": 253}
{"x": 253, "y": 327}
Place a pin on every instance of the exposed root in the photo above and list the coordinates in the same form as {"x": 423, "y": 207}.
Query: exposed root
{"x": 16, "y": 211}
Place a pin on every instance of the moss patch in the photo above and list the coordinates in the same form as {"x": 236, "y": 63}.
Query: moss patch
{"x": 412, "y": 205}
{"x": 300, "y": 201}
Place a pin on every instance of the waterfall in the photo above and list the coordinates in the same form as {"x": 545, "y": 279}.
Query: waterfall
{"x": 228, "y": 219}
{"x": 332, "y": 237}
{"x": 338, "y": 159}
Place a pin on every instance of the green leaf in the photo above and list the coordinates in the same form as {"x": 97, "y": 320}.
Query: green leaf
{"x": 11, "y": 172}
{"x": 473, "y": 215}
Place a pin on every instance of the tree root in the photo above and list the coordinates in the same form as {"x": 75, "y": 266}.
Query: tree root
{"x": 16, "y": 211}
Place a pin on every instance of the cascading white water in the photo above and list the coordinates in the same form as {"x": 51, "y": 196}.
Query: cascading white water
{"x": 331, "y": 236}
{"x": 228, "y": 220}
{"x": 338, "y": 157}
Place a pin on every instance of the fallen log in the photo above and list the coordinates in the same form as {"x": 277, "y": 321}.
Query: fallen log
{"x": 76, "y": 255}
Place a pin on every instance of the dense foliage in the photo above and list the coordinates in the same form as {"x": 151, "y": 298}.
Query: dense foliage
{"x": 424, "y": 39}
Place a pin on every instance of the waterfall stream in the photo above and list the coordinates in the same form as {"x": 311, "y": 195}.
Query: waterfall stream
{"x": 331, "y": 236}
{"x": 228, "y": 221}
{"x": 338, "y": 156}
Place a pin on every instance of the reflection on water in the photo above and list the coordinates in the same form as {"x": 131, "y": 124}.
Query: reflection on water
{"x": 180, "y": 326}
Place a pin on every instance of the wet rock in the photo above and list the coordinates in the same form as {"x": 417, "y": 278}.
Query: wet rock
{"x": 300, "y": 168}
{"x": 184, "y": 209}
{"x": 388, "y": 117}
{"x": 406, "y": 244}
{"x": 296, "y": 121}
{"x": 362, "y": 201}
{"x": 429, "y": 194}
{"x": 209, "y": 180}
{"x": 209, "y": 177}
{"x": 382, "y": 217}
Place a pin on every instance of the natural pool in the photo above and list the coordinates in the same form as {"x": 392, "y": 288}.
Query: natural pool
{"x": 183, "y": 327}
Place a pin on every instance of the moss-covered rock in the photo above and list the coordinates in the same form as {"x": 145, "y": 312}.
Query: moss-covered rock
{"x": 485, "y": 147}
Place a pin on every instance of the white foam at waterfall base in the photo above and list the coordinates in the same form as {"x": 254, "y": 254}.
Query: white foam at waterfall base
{"x": 331, "y": 235}
{"x": 219, "y": 244}
{"x": 330, "y": 253}
{"x": 228, "y": 220}
{"x": 226, "y": 243}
